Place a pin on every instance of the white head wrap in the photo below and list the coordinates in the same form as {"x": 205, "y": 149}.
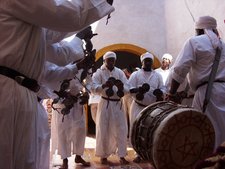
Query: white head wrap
{"x": 167, "y": 56}
{"x": 146, "y": 55}
{"x": 209, "y": 23}
{"x": 109, "y": 54}
{"x": 206, "y": 22}
{"x": 214, "y": 39}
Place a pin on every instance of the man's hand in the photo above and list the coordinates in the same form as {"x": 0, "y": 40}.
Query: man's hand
{"x": 84, "y": 63}
{"x": 108, "y": 84}
{"x": 173, "y": 97}
{"x": 119, "y": 84}
{"x": 85, "y": 33}
{"x": 158, "y": 94}
{"x": 110, "y": 1}
{"x": 134, "y": 90}
{"x": 87, "y": 62}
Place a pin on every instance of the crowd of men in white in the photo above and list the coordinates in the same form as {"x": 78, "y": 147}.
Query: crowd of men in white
{"x": 32, "y": 51}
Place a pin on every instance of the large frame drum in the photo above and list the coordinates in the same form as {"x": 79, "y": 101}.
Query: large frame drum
{"x": 172, "y": 136}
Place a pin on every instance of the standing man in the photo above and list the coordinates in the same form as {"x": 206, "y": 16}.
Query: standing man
{"x": 164, "y": 70}
{"x": 145, "y": 75}
{"x": 71, "y": 133}
{"x": 196, "y": 58}
{"x": 23, "y": 48}
{"x": 111, "y": 125}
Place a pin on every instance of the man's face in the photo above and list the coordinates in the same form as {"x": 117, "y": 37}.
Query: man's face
{"x": 199, "y": 32}
{"x": 147, "y": 63}
{"x": 110, "y": 62}
{"x": 166, "y": 62}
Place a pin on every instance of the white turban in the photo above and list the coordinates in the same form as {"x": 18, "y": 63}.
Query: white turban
{"x": 146, "y": 55}
{"x": 167, "y": 56}
{"x": 206, "y": 22}
{"x": 109, "y": 54}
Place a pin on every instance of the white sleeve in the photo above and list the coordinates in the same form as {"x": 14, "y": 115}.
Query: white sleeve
{"x": 123, "y": 78}
{"x": 53, "y": 73}
{"x": 97, "y": 83}
{"x": 132, "y": 82}
{"x": 63, "y": 16}
{"x": 66, "y": 52}
{"x": 54, "y": 36}
{"x": 183, "y": 62}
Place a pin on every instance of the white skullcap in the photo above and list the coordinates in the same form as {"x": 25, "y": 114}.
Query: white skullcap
{"x": 109, "y": 54}
{"x": 146, "y": 55}
{"x": 167, "y": 56}
{"x": 206, "y": 22}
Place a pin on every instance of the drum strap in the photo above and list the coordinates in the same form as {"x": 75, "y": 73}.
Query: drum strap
{"x": 211, "y": 79}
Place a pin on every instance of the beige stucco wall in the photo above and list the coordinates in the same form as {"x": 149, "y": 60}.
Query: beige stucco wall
{"x": 159, "y": 26}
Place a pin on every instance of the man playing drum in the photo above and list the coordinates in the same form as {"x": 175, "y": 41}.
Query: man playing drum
{"x": 196, "y": 59}
{"x": 145, "y": 75}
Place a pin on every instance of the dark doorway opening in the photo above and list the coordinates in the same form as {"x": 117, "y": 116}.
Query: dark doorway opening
{"x": 124, "y": 60}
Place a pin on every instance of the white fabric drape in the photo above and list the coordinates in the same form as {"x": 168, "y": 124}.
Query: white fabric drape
{"x": 111, "y": 124}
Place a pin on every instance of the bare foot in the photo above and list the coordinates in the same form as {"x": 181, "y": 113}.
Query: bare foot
{"x": 79, "y": 159}
{"x": 65, "y": 164}
{"x": 123, "y": 161}
{"x": 104, "y": 161}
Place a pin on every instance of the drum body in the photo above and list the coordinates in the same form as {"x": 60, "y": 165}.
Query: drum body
{"x": 172, "y": 136}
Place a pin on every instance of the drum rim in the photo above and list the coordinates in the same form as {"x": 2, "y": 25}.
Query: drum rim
{"x": 152, "y": 107}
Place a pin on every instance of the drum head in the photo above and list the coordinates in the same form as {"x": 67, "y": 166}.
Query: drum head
{"x": 181, "y": 139}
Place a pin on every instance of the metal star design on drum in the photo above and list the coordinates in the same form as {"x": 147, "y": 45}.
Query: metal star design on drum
{"x": 172, "y": 136}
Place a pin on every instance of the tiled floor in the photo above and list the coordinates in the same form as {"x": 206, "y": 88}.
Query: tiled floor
{"x": 95, "y": 164}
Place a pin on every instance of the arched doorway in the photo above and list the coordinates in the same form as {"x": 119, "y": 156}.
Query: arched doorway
{"x": 128, "y": 55}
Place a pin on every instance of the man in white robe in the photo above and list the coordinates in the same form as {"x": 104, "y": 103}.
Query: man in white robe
{"x": 22, "y": 48}
{"x": 52, "y": 77}
{"x": 196, "y": 58}
{"x": 144, "y": 75}
{"x": 111, "y": 125}
{"x": 71, "y": 131}
{"x": 164, "y": 69}
{"x": 184, "y": 93}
